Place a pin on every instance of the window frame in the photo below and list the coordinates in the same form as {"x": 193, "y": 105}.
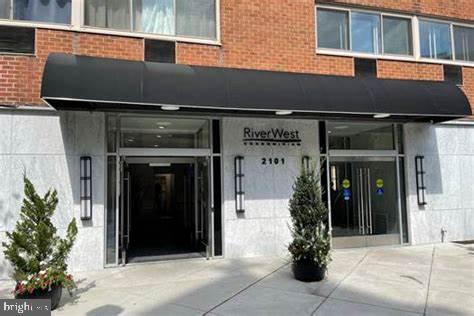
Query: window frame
{"x": 380, "y": 37}
{"x": 460, "y": 25}
{"x": 415, "y": 38}
{"x": 77, "y": 25}
{"x": 349, "y": 33}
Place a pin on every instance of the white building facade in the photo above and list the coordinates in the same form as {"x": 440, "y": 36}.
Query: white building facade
{"x": 375, "y": 182}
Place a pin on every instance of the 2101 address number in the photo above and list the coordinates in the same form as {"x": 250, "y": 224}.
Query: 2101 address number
{"x": 273, "y": 161}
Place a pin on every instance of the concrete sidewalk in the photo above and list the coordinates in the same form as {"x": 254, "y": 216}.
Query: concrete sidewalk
{"x": 419, "y": 280}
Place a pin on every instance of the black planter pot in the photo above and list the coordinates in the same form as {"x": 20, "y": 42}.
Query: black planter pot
{"x": 54, "y": 295}
{"x": 308, "y": 271}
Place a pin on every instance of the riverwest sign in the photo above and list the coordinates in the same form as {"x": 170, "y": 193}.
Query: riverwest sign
{"x": 271, "y": 137}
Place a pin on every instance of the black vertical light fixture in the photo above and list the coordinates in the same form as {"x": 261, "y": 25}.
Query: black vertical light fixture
{"x": 305, "y": 161}
{"x": 86, "y": 187}
{"x": 420, "y": 180}
{"x": 239, "y": 184}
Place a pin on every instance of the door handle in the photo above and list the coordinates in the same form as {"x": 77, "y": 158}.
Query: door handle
{"x": 362, "y": 201}
{"x": 369, "y": 203}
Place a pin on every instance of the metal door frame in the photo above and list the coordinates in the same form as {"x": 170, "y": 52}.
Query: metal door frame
{"x": 124, "y": 177}
{"x": 118, "y": 152}
{"x": 369, "y": 156}
{"x": 167, "y": 158}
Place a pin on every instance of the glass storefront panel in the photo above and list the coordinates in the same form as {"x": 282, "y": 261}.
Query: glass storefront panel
{"x": 111, "y": 134}
{"x": 154, "y": 132}
{"x": 364, "y": 199}
{"x": 137, "y": 133}
{"x": 361, "y": 136}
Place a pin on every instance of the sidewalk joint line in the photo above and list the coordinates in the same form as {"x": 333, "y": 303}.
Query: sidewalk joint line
{"x": 343, "y": 279}
{"x": 429, "y": 280}
{"x": 246, "y": 288}
{"x": 375, "y": 305}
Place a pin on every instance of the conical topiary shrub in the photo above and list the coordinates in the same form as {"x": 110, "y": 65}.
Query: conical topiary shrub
{"x": 37, "y": 254}
{"x": 310, "y": 248}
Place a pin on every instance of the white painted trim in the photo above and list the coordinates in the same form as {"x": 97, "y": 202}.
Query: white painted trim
{"x": 416, "y": 37}
{"x": 338, "y": 52}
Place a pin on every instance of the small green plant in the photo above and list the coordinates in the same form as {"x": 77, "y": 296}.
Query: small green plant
{"x": 309, "y": 216}
{"x": 37, "y": 254}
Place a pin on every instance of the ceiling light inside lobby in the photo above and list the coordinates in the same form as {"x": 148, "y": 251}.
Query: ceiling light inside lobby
{"x": 381, "y": 115}
{"x": 170, "y": 108}
{"x": 283, "y": 112}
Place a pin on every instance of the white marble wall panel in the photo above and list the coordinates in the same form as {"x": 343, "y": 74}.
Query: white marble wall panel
{"x": 5, "y": 133}
{"x": 449, "y": 166}
{"x": 47, "y": 146}
{"x": 263, "y": 228}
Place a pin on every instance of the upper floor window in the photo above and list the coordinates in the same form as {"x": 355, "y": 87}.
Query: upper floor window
{"x": 435, "y": 40}
{"x": 188, "y": 18}
{"x": 360, "y": 32}
{"x": 51, "y": 11}
{"x": 370, "y": 33}
{"x": 464, "y": 43}
{"x": 365, "y": 33}
{"x": 397, "y": 36}
{"x": 333, "y": 29}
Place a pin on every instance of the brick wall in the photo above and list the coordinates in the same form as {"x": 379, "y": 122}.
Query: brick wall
{"x": 20, "y": 76}
{"x": 267, "y": 34}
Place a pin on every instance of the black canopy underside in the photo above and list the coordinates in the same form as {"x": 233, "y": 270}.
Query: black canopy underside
{"x": 73, "y": 82}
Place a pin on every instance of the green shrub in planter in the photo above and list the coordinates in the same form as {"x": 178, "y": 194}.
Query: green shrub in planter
{"x": 310, "y": 248}
{"x": 37, "y": 254}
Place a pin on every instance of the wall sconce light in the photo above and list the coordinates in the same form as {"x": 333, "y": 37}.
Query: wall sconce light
{"x": 420, "y": 180}
{"x": 239, "y": 184}
{"x": 305, "y": 161}
{"x": 86, "y": 188}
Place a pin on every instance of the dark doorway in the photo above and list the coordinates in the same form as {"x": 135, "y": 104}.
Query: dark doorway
{"x": 162, "y": 222}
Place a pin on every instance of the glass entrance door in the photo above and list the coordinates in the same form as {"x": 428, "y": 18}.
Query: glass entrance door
{"x": 364, "y": 202}
{"x": 203, "y": 209}
{"x": 124, "y": 214}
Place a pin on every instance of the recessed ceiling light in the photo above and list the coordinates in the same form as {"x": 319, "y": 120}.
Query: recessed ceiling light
{"x": 283, "y": 112}
{"x": 163, "y": 123}
{"x": 160, "y": 164}
{"x": 381, "y": 115}
{"x": 158, "y": 136}
{"x": 341, "y": 127}
{"x": 170, "y": 108}
{"x": 161, "y": 127}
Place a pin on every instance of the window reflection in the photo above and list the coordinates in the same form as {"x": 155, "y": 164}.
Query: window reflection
{"x": 365, "y": 32}
{"x": 397, "y": 37}
{"x": 332, "y": 29}
{"x": 361, "y": 136}
{"x": 435, "y": 40}
{"x": 154, "y": 16}
{"x": 464, "y": 43}
{"x": 146, "y": 132}
{"x": 54, "y": 11}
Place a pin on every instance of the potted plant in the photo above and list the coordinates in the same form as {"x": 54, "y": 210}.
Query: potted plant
{"x": 310, "y": 248}
{"x": 38, "y": 255}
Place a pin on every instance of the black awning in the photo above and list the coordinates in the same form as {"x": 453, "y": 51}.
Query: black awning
{"x": 79, "y": 82}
